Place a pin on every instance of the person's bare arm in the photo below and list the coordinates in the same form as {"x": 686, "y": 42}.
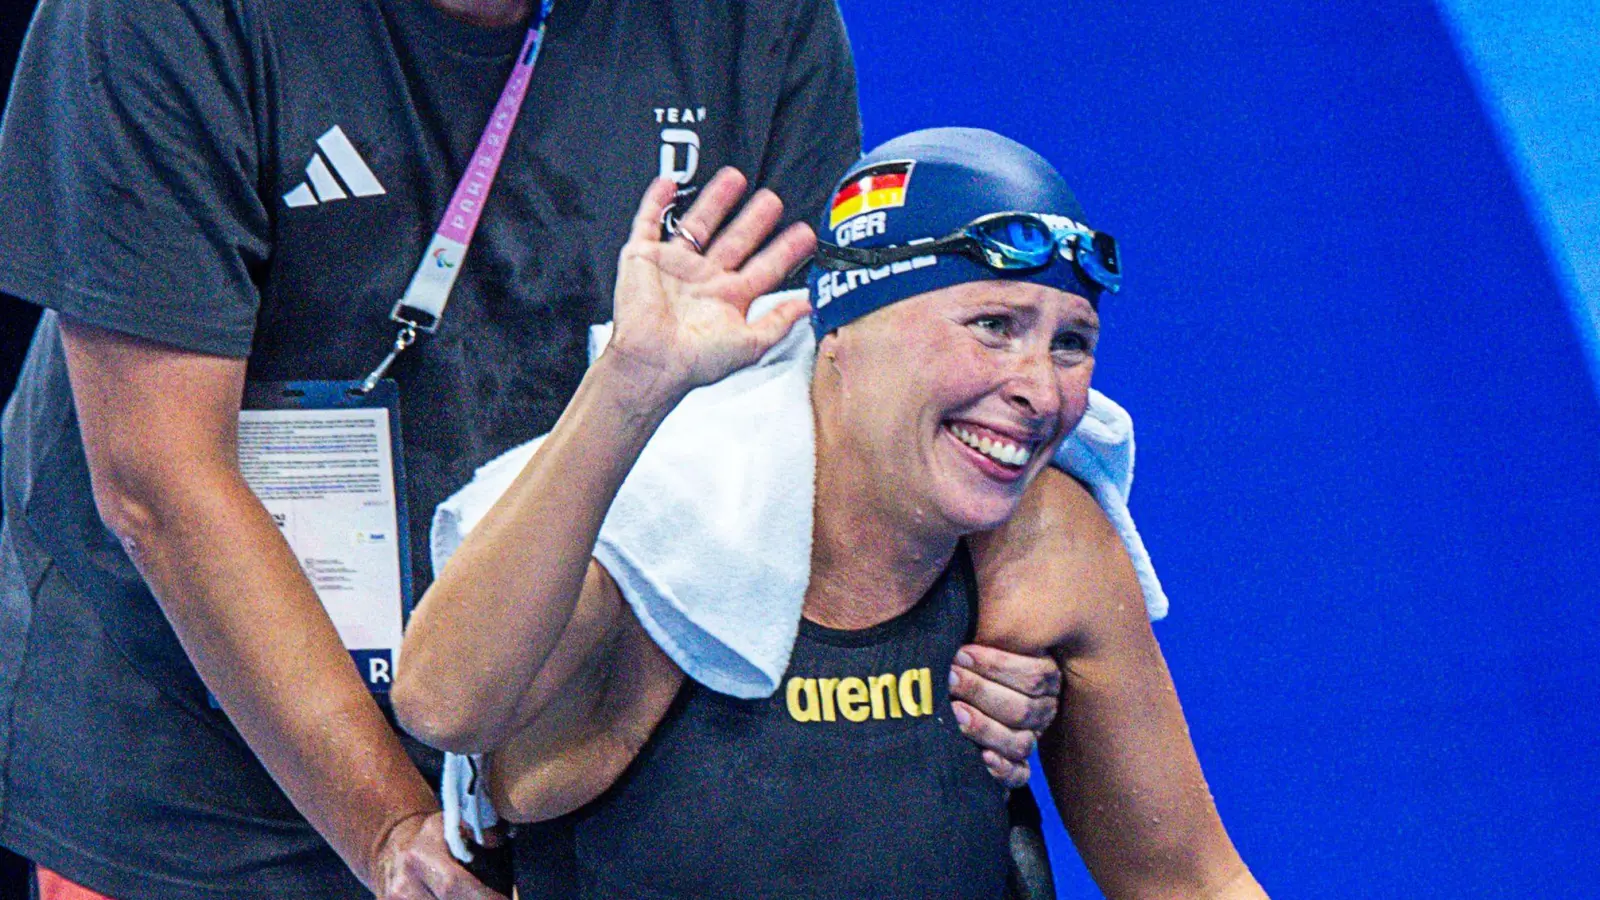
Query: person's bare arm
{"x": 484, "y": 652}
{"x": 507, "y": 624}
{"x": 595, "y": 722}
{"x": 1119, "y": 760}
{"x": 159, "y": 428}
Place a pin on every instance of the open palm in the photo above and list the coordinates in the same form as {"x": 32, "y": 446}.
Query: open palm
{"x": 681, "y": 314}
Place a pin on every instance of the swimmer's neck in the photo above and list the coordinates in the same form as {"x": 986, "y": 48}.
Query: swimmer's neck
{"x": 870, "y": 562}
{"x": 486, "y": 13}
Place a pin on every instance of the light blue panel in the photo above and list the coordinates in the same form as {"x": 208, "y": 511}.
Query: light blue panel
{"x": 1537, "y": 66}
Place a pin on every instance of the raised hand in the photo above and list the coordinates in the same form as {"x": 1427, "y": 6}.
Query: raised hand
{"x": 680, "y": 314}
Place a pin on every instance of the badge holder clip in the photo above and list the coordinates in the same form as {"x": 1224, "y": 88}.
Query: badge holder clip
{"x": 411, "y": 321}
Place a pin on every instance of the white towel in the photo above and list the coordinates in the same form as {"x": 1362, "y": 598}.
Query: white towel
{"x": 709, "y": 537}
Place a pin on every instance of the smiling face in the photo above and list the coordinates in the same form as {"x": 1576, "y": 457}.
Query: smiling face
{"x": 949, "y": 403}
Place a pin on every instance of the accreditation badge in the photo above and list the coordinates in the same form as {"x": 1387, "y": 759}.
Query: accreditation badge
{"x": 324, "y": 458}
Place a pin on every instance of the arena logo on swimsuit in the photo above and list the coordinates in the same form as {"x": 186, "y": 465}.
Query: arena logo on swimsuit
{"x": 886, "y": 696}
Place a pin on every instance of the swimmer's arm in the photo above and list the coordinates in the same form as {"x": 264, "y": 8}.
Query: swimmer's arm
{"x": 596, "y": 718}
{"x": 1119, "y": 760}
{"x": 499, "y": 631}
{"x": 491, "y": 625}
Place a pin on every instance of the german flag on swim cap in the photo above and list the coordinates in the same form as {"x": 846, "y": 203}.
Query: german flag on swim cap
{"x": 880, "y": 186}
{"x": 961, "y": 174}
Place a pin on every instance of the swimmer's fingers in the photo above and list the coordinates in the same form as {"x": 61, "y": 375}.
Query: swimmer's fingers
{"x": 770, "y": 328}
{"x": 681, "y": 315}
{"x": 767, "y": 269}
{"x": 720, "y": 195}
{"x": 745, "y": 233}
{"x": 646, "y": 225}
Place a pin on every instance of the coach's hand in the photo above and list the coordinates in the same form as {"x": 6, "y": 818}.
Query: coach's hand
{"x": 414, "y": 863}
{"x": 1003, "y": 701}
{"x": 680, "y": 304}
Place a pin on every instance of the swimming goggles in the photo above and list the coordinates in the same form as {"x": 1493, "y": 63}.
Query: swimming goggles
{"x": 1003, "y": 241}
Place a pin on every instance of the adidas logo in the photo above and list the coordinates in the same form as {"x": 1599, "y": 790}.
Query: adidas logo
{"x": 320, "y": 185}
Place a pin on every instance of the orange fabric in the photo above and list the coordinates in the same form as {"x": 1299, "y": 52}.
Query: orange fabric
{"x": 54, "y": 887}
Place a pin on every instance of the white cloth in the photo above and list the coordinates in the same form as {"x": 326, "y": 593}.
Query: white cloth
{"x": 464, "y": 794}
{"x": 709, "y": 537}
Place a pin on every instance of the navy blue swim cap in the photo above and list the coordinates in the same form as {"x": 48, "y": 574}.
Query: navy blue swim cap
{"x": 925, "y": 185}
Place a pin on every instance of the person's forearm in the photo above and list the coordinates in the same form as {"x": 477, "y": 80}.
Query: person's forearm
{"x": 1124, "y": 776}
{"x": 481, "y": 639}
{"x": 488, "y": 625}
{"x": 259, "y": 637}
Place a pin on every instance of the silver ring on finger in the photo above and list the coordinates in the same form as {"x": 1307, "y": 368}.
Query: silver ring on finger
{"x": 669, "y": 221}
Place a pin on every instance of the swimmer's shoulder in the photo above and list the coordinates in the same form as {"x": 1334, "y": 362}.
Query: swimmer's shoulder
{"x": 1056, "y": 576}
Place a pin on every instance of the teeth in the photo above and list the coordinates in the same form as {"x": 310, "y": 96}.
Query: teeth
{"x": 1001, "y": 451}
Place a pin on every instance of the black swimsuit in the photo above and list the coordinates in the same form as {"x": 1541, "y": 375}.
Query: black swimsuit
{"x": 851, "y": 781}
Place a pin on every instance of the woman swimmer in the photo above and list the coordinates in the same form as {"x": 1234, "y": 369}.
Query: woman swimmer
{"x": 947, "y": 375}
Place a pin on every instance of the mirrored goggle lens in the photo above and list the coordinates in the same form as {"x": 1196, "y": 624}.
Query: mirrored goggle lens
{"x": 1096, "y": 255}
{"x": 1105, "y": 247}
{"x": 1014, "y": 242}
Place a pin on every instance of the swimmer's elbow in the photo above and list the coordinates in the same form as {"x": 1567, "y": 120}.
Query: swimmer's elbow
{"x": 437, "y": 719}
{"x": 421, "y": 715}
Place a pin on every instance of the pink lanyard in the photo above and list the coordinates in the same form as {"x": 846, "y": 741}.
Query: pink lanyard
{"x": 422, "y": 306}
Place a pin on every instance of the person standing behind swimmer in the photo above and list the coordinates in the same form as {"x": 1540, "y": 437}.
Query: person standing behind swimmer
{"x": 208, "y": 192}
{"x": 211, "y": 192}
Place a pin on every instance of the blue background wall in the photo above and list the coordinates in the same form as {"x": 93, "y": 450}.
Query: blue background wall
{"x": 1369, "y": 465}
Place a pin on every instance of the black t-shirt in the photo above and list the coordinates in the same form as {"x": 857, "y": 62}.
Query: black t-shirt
{"x": 853, "y": 780}
{"x": 259, "y": 178}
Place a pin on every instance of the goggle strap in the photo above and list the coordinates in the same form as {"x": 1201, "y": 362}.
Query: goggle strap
{"x": 835, "y": 256}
